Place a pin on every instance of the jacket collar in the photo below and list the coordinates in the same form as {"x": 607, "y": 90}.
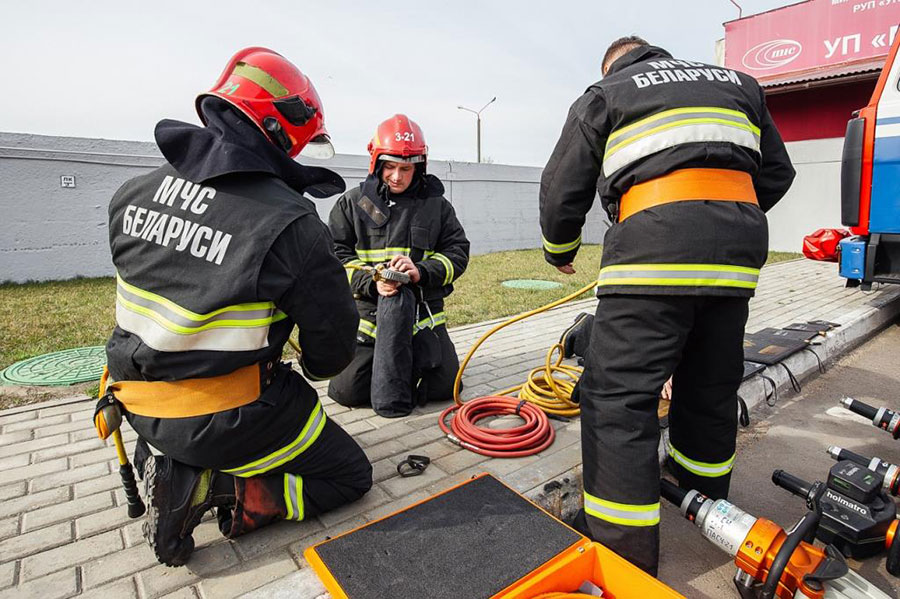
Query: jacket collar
{"x": 637, "y": 55}
{"x": 230, "y": 143}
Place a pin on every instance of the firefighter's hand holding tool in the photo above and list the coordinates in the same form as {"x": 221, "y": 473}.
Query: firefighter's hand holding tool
{"x": 405, "y": 265}
{"x": 770, "y": 561}
{"x": 108, "y": 420}
{"x": 384, "y": 272}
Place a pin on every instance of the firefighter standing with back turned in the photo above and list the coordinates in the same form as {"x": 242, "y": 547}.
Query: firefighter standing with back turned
{"x": 686, "y": 159}
{"x": 218, "y": 255}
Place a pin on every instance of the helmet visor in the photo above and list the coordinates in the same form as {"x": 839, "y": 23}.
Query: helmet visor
{"x": 318, "y": 147}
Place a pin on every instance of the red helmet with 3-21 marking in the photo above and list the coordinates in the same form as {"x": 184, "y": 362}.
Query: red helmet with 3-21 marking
{"x": 278, "y": 98}
{"x": 398, "y": 139}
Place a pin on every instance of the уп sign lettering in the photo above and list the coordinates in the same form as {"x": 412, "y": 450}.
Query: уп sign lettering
{"x": 810, "y": 35}
{"x": 67, "y": 181}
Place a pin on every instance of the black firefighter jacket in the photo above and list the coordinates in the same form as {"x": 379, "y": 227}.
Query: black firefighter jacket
{"x": 651, "y": 115}
{"x": 419, "y": 223}
{"x": 191, "y": 305}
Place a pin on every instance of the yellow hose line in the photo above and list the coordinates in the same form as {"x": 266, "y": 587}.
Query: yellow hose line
{"x": 542, "y": 388}
{"x": 547, "y": 386}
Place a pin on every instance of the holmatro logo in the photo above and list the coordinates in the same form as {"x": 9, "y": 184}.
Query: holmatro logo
{"x": 771, "y": 54}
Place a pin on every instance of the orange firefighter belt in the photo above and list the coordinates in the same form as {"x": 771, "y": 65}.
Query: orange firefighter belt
{"x": 688, "y": 184}
{"x": 189, "y": 397}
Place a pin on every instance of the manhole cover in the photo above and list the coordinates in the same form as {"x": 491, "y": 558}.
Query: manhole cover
{"x": 531, "y": 284}
{"x": 78, "y": 365}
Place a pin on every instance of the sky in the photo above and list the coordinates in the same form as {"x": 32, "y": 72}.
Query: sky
{"x": 112, "y": 69}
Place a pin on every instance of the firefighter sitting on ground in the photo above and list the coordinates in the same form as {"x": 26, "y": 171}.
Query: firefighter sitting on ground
{"x": 399, "y": 216}
{"x": 218, "y": 256}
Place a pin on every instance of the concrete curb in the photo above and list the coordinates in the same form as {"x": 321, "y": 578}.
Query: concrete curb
{"x": 562, "y": 496}
{"x": 856, "y": 327}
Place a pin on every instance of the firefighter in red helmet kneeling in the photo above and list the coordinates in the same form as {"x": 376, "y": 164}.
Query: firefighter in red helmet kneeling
{"x": 214, "y": 252}
{"x": 399, "y": 217}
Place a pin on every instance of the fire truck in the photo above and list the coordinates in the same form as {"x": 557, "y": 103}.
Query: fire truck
{"x": 870, "y": 185}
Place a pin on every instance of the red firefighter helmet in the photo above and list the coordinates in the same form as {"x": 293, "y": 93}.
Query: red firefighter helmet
{"x": 824, "y": 244}
{"x": 398, "y": 139}
{"x": 276, "y": 96}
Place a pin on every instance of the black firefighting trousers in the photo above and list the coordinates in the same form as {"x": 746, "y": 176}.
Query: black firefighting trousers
{"x": 398, "y": 369}
{"x": 637, "y": 342}
{"x": 334, "y": 471}
{"x": 308, "y": 466}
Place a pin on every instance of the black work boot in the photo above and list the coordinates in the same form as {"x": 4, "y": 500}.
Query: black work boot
{"x": 177, "y": 497}
{"x": 575, "y": 339}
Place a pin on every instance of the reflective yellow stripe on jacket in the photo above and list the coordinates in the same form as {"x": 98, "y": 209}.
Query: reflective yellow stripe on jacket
{"x": 689, "y": 275}
{"x": 674, "y": 127}
{"x": 445, "y": 261}
{"x": 348, "y": 267}
{"x": 165, "y": 326}
{"x": 622, "y": 513}
{"x": 377, "y": 256}
{"x": 560, "y": 248}
{"x": 370, "y": 329}
{"x": 708, "y": 469}
{"x": 311, "y": 431}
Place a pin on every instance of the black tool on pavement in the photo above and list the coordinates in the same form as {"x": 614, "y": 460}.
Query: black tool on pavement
{"x": 413, "y": 465}
{"x": 856, "y": 514}
{"x": 883, "y": 418}
{"x": 794, "y": 334}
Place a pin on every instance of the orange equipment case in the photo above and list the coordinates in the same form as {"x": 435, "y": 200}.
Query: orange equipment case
{"x": 479, "y": 539}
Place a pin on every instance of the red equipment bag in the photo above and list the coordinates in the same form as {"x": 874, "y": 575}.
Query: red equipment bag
{"x": 824, "y": 244}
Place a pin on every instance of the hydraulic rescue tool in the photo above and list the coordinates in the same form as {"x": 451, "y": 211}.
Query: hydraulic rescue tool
{"x": 883, "y": 418}
{"x": 856, "y": 516}
{"x": 890, "y": 473}
{"x": 108, "y": 421}
{"x": 771, "y": 562}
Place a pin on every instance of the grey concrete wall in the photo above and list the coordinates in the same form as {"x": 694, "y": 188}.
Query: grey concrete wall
{"x": 814, "y": 200}
{"x": 48, "y": 232}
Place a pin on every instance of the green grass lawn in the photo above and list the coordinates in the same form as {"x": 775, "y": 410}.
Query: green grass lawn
{"x": 37, "y": 318}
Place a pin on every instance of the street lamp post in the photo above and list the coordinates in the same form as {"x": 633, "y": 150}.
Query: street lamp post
{"x": 477, "y": 114}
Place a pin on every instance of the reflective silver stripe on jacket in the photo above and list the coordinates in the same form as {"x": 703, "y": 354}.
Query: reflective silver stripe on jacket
{"x": 674, "y": 127}
{"x": 689, "y": 275}
{"x": 293, "y": 496}
{"x": 165, "y": 326}
{"x": 622, "y": 513}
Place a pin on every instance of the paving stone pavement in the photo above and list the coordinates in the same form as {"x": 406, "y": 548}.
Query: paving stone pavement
{"x": 64, "y": 530}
